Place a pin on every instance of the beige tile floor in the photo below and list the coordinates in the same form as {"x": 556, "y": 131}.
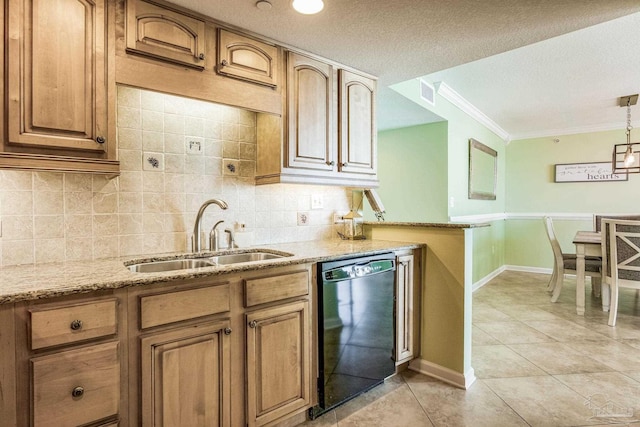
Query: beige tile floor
{"x": 537, "y": 364}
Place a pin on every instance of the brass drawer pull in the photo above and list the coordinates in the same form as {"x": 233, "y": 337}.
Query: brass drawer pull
{"x": 76, "y": 325}
{"x": 227, "y": 331}
{"x": 253, "y": 324}
{"x": 77, "y": 392}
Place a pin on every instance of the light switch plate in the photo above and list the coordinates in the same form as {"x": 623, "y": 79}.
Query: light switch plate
{"x": 316, "y": 201}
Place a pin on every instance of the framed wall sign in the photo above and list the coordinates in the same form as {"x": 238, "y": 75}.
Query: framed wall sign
{"x": 587, "y": 172}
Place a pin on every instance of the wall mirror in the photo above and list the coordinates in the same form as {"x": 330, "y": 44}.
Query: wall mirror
{"x": 483, "y": 171}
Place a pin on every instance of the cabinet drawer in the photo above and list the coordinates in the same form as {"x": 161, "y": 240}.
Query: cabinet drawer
{"x": 76, "y": 387}
{"x": 73, "y": 323}
{"x": 275, "y": 288}
{"x": 162, "y": 309}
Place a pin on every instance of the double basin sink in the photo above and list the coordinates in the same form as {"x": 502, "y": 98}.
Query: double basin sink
{"x": 192, "y": 261}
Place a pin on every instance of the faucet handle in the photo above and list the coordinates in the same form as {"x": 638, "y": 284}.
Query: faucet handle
{"x": 214, "y": 243}
{"x": 232, "y": 238}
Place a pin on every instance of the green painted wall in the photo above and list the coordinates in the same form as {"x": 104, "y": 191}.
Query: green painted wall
{"x": 530, "y": 189}
{"x": 530, "y": 172}
{"x": 461, "y": 127}
{"x": 412, "y": 171}
{"x": 422, "y": 168}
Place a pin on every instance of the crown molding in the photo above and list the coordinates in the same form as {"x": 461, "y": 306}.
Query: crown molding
{"x": 575, "y": 130}
{"x": 459, "y": 101}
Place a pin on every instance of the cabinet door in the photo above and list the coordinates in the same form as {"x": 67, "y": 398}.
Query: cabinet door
{"x": 186, "y": 376}
{"x": 310, "y": 112}
{"x": 164, "y": 34}
{"x": 57, "y": 74}
{"x": 278, "y": 358}
{"x": 404, "y": 308}
{"x": 357, "y": 124}
{"x": 247, "y": 59}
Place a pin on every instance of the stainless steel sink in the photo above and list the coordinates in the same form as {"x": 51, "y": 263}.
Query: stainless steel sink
{"x": 171, "y": 265}
{"x": 193, "y": 263}
{"x": 244, "y": 257}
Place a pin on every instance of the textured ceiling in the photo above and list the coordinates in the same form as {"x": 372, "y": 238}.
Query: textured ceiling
{"x": 403, "y": 39}
{"x": 567, "y": 84}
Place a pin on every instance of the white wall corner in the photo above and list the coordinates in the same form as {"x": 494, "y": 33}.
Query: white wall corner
{"x": 449, "y": 376}
{"x": 459, "y": 101}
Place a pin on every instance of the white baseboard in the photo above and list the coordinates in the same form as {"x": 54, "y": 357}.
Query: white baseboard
{"x": 528, "y": 269}
{"x": 447, "y": 375}
{"x": 486, "y": 279}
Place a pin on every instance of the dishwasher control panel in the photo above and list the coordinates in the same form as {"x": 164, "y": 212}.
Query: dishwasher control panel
{"x": 358, "y": 270}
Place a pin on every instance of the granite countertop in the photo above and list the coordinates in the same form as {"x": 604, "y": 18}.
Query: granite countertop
{"x": 427, "y": 224}
{"x": 30, "y": 282}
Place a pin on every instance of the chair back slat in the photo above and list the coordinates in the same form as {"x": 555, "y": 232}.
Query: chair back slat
{"x": 555, "y": 245}
{"x": 622, "y": 249}
{"x": 597, "y": 219}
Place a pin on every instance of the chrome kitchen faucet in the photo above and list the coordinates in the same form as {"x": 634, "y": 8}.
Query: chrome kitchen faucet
{"x": 196, "y": 245}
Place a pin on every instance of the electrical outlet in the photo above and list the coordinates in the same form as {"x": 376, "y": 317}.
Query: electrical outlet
{"x": 316, "y": 201}
{"x": 303, "y": 218}
{"x": 194, "y": 145}
{"x": 452, "y": 202}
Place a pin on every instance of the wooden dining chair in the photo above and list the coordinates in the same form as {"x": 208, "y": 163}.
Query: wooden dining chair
{"x": 620, "y": 261}
{"x": 597, "y": 219}
{"x": 564, "y": 263}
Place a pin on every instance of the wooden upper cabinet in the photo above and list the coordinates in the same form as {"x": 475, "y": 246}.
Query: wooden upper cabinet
{"x": 310, "y": 113}
{"x": 57, "y": 77}
{"x": 357, "y": 124}
{"x": 164, "y": 34}
{"x": 247, "y": 59}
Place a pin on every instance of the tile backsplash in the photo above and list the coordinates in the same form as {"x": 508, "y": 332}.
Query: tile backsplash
{"x": 174, "y": 154}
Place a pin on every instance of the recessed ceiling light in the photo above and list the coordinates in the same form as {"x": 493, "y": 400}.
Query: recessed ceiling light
{"x": 263, "y": 5}
{"x": 308, "y": 7}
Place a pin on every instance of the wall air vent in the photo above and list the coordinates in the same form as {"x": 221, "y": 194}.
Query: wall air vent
{"x": 427, "y": 93}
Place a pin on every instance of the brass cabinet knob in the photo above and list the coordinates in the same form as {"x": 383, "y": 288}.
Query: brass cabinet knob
{"x": 100, "y": 140}
{"x": 227, "y": 331}
{"x": 253, "y": 324}
{"x": 76, "y": 325}
{"x": 224, "y": 63}
{"x": 77, "y": 391}
{"x": 201, "y": 57}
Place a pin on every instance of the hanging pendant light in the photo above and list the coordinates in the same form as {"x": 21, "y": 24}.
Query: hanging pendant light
{"x": 308, "y": 7}
{"x": 625, "y": 159}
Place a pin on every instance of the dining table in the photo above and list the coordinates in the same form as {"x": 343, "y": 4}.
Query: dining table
{"x": 588, "y": 243}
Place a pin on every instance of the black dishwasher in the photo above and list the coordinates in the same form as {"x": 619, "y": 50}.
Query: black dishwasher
{"x": 355, "y": 327}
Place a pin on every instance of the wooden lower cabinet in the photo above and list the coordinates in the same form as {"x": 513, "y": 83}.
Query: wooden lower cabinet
{"x": 407, "y": 305}
{"x": 186, "y": 376}
{"x": 70, "y": 365}
{"x": 278, "y": 362}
